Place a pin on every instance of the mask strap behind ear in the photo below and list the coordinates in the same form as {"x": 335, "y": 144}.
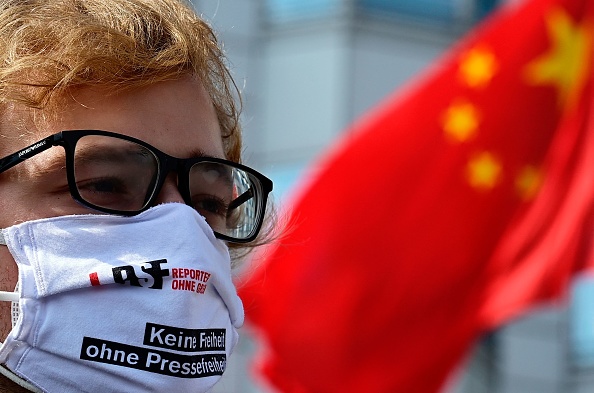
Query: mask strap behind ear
{"x": 9, "y": 296}
{"x": 15, "y": 309}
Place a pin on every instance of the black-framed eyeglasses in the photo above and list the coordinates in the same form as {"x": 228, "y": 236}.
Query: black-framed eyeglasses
{"x": 118, "y": 174}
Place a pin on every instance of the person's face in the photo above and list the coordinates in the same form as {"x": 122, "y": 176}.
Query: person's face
{"x": 176, "y": 117}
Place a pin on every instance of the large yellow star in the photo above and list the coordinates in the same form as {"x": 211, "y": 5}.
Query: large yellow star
{"x": 484, "y": 171}
{"x": 478, "y": 66}
{"x": 567, "y": 64}
{"x": 460, "y": 121}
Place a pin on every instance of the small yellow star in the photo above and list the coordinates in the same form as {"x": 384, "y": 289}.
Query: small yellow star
{"x": 567, "y": 64}
{"x": 528, "y": 182}
{"x": 484, "y": 171}
{"x": 461, "y": 121}
{"x": 477, "y": 67}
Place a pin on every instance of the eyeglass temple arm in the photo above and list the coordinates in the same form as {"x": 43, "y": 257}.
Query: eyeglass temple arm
{"x": 240, "y": 200}
{"x": 28, "y": 152}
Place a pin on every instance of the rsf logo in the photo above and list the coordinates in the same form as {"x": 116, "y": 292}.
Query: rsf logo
{"x": 150, "y": 276}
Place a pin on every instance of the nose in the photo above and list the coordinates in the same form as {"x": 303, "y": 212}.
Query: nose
{"x": 169, "y": 191}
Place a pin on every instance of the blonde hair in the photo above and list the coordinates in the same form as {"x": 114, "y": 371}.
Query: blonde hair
{"x": 50, "y": 46}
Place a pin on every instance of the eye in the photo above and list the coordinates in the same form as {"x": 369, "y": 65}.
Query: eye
{"x": 103, "y": 185}
{"x": 210, "y": 204}
{"x": 113, "y": 173}
{"x": 213, "y": 209}
{"x": 112, "y": 192}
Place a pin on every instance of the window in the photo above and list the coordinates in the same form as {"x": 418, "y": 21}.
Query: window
{"x": 434, "y": 9}
{"x": 439, "y": 11}
{"x": 582, "y": 322}
{"x": 449, "y": 11}
{"x": 280, "y": 11}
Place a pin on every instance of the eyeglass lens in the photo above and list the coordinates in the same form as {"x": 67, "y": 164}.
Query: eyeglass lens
{"x": 118, "y": 174}
{"x": 114, "y": 173}
{"x": 224, "y": 195}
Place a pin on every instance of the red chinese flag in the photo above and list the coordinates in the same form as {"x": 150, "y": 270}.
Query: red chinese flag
{"x": 442, "y": 214}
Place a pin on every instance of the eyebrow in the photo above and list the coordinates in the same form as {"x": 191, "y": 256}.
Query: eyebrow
{"x": 91, "y": 154}
{"x": 199, "y": 153}
{"x": 57, "y": 163}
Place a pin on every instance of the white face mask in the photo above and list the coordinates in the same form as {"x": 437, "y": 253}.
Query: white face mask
{"x": 122, "y": 304}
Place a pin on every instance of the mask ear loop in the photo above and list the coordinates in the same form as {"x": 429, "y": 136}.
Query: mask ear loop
{"x": 9, "y": 296}
{"x": 15, "y": 308}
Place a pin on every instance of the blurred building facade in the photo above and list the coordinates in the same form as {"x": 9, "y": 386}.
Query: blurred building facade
{"x": 307, "y": 69}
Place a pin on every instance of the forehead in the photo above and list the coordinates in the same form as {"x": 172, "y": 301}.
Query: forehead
{"x": 175, "y": 116}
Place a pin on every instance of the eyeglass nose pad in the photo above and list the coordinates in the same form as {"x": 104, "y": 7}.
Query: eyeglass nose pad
{"x": 169, "y": 192}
